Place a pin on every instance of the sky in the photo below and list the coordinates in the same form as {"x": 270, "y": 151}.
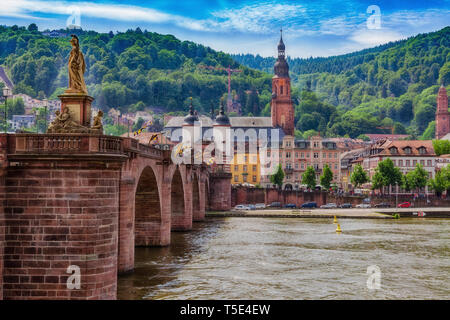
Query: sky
{"x": 310, "y": 27}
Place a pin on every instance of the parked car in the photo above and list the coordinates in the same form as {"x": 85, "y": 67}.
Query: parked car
{"x": 275, "y": 205}
{"x": 309, "y": 205}
{"x": 363, "y": 205}
{"x": 346, "y": 206}
{"x": 405, "y": 204}
{"x": 382, "y": 205}
{"x": 366, "y": 200}
{"x": 240, "y": 207}
{"x": 260, "y": 206}
{"x": 329, "y": 206}
{"x": 290, "y": 205}
{"x": 251, "y": 207}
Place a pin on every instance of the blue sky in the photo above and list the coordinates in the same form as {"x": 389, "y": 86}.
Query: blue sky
{"x": 311, "y": 27}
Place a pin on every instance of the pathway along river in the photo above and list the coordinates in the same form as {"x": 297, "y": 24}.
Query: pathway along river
{"x": 265, "y": 258}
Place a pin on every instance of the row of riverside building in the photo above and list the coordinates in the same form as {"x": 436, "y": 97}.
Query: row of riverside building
{"x": 253, "y": 165}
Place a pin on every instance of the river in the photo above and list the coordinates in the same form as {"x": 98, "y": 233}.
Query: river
{"x": 274, "y": 258}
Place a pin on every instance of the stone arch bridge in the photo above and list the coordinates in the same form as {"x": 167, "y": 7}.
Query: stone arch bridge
{"x": 76, "y": 204}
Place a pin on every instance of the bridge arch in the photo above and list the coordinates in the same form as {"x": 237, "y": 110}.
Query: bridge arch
{"x": 147, "y": 210}
{"x": 181, "y": 199}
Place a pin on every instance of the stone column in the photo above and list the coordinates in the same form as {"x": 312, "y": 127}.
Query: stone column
{"x": 220, "y": 196}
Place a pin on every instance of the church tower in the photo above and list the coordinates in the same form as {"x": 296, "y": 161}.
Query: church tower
{"x": 281, "y": 106}
{"x": 442, "y": 114}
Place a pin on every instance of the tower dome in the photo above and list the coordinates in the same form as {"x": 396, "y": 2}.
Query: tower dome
{"x": 222, "y": 119}
{"x": 191, "y": 118}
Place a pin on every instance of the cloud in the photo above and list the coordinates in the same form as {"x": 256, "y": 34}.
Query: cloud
{"x": 259, "y": 18}
{"x": 375, "y": 37}
{"x": 127, "y": 13}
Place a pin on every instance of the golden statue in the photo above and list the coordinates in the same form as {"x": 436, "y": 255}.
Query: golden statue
{"x": 77, "y": 67}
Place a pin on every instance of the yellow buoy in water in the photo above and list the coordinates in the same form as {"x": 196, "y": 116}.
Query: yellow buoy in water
{"x": 335, "y": 220}
{"x": 338, "y": 229}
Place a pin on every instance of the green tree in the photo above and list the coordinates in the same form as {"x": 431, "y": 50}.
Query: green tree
{"x": 441, "y": 147}
{"x": 326, "y": 177}
{"x": 359, "y": 176}
{"x": 441, "y": 181}
{"x": 386, "y": 174}
{"x": 278, "y": 176}
{"x": 417, "y": 178}
{"x": 309, "y": 178}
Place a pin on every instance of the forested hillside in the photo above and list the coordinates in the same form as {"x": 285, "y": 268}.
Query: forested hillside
{"x": 390, "y": 85}
{"x": 130, "y": 71}
{"x": 370, "y": 91}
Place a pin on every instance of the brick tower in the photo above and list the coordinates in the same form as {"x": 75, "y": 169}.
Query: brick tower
{"x": 281, "y": 107}
{"x": 442, "y": 114}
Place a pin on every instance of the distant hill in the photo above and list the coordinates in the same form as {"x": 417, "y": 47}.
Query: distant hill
{"x": 130, "y": 71}
{"x": 392, "y": 84}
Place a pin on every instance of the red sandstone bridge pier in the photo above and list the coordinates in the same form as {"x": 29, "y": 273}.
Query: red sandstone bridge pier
{"x": 87, "y": 200}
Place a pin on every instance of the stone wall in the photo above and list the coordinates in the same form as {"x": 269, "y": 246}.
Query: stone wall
{"x": 3, "y": 170}
{"x": 61, "y": 214}
{"x": 242, "y": 195}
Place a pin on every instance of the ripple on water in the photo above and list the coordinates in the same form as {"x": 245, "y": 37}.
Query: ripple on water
{"x": 265, "y": 258}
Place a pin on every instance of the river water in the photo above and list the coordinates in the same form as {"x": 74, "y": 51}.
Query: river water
{"x": 272, "y": 258}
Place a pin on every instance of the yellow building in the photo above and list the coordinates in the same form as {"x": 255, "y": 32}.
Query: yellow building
{"x": 246, "y": 169}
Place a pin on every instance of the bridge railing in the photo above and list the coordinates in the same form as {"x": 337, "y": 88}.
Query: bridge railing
{"x": 63, "y": 143}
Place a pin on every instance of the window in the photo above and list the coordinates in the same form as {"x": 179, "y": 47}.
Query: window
{"x": 393, "y": 150}
{"x": 244, "y": 177}
{"x": 335, "y": 166}
{"x": 429, "y": 163}
{"x": 288, "y": 155}
{"x": 408, "y": 163}
{"x": 296, "y": 166}
{"x": 236, "y": 178}
{"x": 245, "y": 168}
{"x": 395, "y": 162}
{"x": 307, "y": 155}
{"x": 281, "y": 89}
{"x": 302, "y": 155}
{"x": 303, "y": 166}
{"x": 254, "y": 178}
{"x": 268, "y": 154}
{"x": 400, "y": 163}
{"x": 329, "y": 155}
{"x": 254, "y": 167}
{"x": 236, "y": 168}
{"x": 407, "y": 150}
{"x": 335, "y": 155}
{"x": 316, "y": 155}
{"x": 422, "y": 162}
{"x": 422, "y": 150}
{"x": 296, "y": 154}
{"x": 245, "y": 158}
{"x": 414, "y": 163}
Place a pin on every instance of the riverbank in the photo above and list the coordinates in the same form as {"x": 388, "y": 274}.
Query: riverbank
{"x": 355, "y": 213}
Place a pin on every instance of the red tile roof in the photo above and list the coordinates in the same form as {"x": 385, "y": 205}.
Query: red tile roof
{"x": 402, "y": 145}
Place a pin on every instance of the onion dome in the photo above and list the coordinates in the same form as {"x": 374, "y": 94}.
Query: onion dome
{"x": 192, "y": 116}
{"x": 222, "y": 119}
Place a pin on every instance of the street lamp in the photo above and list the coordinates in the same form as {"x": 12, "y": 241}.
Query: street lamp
{"x": 46, "y": 107}
{"x": 6, "y": 94}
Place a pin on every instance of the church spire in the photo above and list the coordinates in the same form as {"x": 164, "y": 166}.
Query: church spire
{"x": 281, "y": 68}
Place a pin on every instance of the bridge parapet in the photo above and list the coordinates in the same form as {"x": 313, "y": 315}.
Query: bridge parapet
{"x": 63, "y": 143}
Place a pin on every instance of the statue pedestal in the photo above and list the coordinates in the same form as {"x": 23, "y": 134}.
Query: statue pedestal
{"x": 79, "y": 105}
